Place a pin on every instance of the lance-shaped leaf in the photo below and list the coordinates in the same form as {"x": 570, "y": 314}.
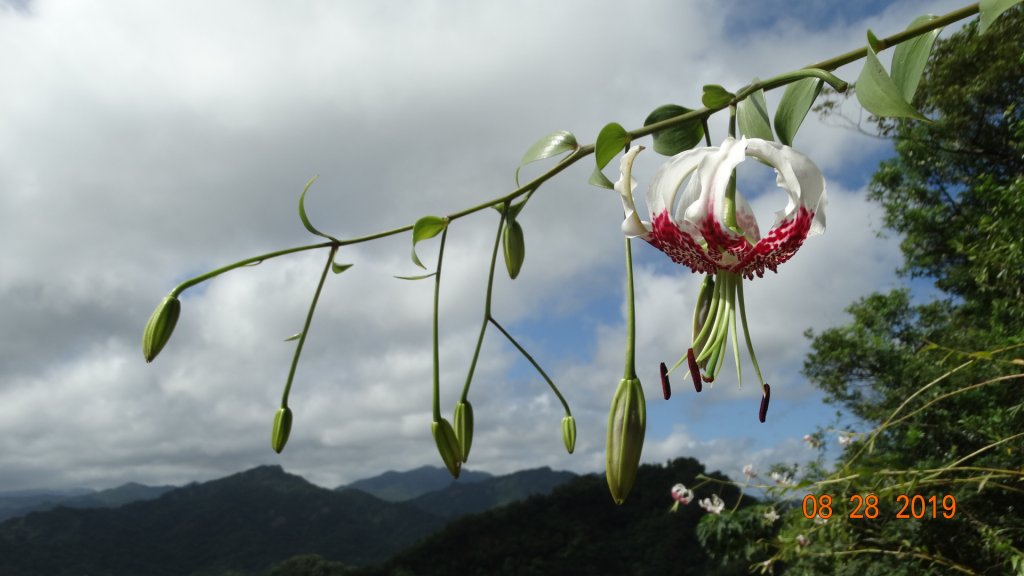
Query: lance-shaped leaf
{"x": 420, "y": 277}
{"x": 879, "y": 95}
{"x": 610, "y": 141}
{"x": 991, "y": 9}
{"x": 679, "y": 138}
{"x": 597, "y": 178}
{"x": 551, "y": 145}
{"x": 752, "y": 115}
{"x": 293, "y": 337}
{"x": 715, "y": 96}
{"x": 910, "y": 57}
{"x": 339, "y": 268}
{"x": 302, "y": 212}
{"x": 796, "y": 101}
{"x": 426, "y": 227}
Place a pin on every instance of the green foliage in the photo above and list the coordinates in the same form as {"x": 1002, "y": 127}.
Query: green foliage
{"x": 752, "y": 116}
{"x": 551, "y": 145}
{"x": 716, "y": 96}
{"x": 576, "y": 530}
{"x": 308, "y": 565}
{"x": 940, "y": 381}
{"x": 796, "y": 101}
{"x": 879, "y": 94}
{"x": 676, "y": 139}
{"x": 424, "y": 228}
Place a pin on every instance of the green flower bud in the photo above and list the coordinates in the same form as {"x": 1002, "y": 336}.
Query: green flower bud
{"x": 627, "y": 423}
{"x": 569, "y": 433}
{"x": 282, "y": 428}
{"x": 464, "y": 428}
{"x": 159, "y": 327}
{"x": 514, "y": 244}
{"x": 447, "y": 445}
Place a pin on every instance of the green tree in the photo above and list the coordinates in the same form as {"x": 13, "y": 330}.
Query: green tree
{"x": 941, "y": 381}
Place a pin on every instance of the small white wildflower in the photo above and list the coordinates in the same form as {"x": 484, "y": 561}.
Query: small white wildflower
{"x": 713, "y": 505}
{"x": 802, "y": 540}
{"x": 811, "y": 441}
{"x": 771, "y": 516}
{"x": 845, "y": 439}
{"x": 749, "y": 471}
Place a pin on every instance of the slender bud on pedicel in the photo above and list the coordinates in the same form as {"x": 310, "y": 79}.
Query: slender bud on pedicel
{"x": 463, "y": 423}
{"x": 569, "y": 433}
{"x": 160, "y": 327}
{"x": 666, "y": 386}
{"x": 764, "y": 402}
{"x": 447, "y": 445}
{"x": 282, "y": 428}
{"x": 627, "y": 424}
{"x": 514, "y": 245}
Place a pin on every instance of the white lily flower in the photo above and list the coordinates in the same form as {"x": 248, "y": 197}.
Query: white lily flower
{"x": 682, "y": 494}
{"x": 691, "y": 223}
{"x": 699, "y": 219}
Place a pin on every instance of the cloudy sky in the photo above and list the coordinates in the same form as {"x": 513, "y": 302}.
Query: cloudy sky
{"x": 143, "y": 144}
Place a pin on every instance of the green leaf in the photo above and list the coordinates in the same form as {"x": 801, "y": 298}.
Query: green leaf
{"x": 991, "y": 9}
{"x": 339, "y": 268}
{"x": 716, "y": 97}
{"x": 910, "y": 57}
{"x": 295, "y": 336}
{"x": 796, "y": 101}
{"x": 421, "y": 277}
{"x": 597, "y": 178}
{"x": 873, "y": 42}
{"x": 676, "y": 139}
{"x": 879, "y": 95}
{"x": 426, "y": 227}
{"x": 302, "y": 212}
{"x": 612, "y": 139}
{"x": 548, "y": 146}
{"x": 752, "y": 115}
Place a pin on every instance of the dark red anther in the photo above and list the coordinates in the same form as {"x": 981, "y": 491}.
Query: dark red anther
{"x": 666, "y": 388}
{"x": 694, "y": 369}
{"x": 764, "y": 402}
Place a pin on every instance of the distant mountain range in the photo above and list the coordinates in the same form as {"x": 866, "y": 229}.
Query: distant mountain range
{"x": 246, "y": 522}
{"x": 14, "y": 504}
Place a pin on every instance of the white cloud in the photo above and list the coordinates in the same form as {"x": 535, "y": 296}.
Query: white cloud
{"x": 143, "y": 146}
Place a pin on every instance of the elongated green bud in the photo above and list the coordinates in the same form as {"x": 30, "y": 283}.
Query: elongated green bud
{"x": 463, "y": 423}
{"x": 160, "y": 327}
{"x": 514, "y": 245}
{"x": 569, "y": 433}
{"x": 447, "y": 445}
{"x": 627, "y": 424}
{"x": 282, "y": 428}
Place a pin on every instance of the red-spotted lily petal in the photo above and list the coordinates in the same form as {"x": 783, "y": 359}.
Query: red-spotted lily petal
{"x": 692, "y": 202}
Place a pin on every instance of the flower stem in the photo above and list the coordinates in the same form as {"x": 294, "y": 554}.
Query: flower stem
{"x": 437, "y": 299}
{"x": 746, "y": 331}
{"x": 551, "y": 384}
{"x": 246, "y": 262}
{"x": 630, "y": 368}
{"x": 581, "y": 152}
{"x": 487, "y": 310}
{"x": 305, "y": 328}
